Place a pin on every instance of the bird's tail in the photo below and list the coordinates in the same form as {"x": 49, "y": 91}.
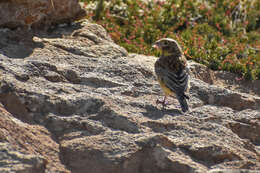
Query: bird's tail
{"x": 183, "y": 102}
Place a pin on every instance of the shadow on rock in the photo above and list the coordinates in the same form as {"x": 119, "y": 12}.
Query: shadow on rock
{"x": 154, "y": 112}
{"x": 18, "y": 44}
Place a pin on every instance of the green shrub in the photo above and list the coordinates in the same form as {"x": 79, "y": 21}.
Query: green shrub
{"x": 222, "y": 34}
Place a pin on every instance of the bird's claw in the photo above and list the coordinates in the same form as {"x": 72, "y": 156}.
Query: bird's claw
{"x": 163, "y": 102}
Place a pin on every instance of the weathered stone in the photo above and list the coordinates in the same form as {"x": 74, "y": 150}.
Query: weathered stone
{"x": 13, "y": 161}
{"x": 201, "y": 72}
{"x": 214, "y": 95}
{"x": 83, "y": 103}
{"x": 246, "y": 125}
{"x": 38, "y": 13}
{"x": 232, "y": 171}
{"x": 224, "y": 79}
{"x": 26, "y": 148}
{"x": 122, "y": 152}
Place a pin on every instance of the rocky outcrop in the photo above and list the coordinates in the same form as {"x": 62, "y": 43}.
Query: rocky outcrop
{"x": 80, "y": 102}
{"x": 38, "y": 13}
{"x": 13, "y": 161}
{"x": 25, "y": 147}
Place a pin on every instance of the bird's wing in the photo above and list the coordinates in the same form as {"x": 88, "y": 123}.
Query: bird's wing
{"x": 178, "y": 83}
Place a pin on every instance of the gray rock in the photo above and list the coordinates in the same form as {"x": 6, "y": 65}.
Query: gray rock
{"x": 26, "y": 148}
{"x": 12, "y": 161}
{"x": 233, "y": 171}
{"x": 17, "y": 13}
{"x": 215, "y": 95}
{"x": 94, "y": 104}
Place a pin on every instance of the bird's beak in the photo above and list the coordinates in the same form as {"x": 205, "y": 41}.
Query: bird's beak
{"x": 155, "y": 46}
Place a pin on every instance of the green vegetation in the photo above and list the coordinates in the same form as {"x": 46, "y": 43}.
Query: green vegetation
{"x": 222, "y": 34}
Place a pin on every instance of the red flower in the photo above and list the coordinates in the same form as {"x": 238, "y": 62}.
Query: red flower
{"x": 127, "y": 41}
{"x": 217, "y": 25}
{"x": 227, "y": 13}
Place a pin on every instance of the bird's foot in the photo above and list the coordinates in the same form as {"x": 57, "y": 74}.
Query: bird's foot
{"x": 163, "y": 102}
{"x": 178, "y": 106}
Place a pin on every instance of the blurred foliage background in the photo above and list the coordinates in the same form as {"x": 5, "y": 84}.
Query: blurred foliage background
{"x": 222, "y": 34}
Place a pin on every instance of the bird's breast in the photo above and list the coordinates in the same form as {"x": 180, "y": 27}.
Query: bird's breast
{"x": 167, "y": 91}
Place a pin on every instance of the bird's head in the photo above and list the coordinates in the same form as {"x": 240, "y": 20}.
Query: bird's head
{"x": 168, "y": 46}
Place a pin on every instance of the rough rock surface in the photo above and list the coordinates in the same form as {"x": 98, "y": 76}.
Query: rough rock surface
{"x": 13, "y": 161}
{"x": 38, "y": 13}
{"x": 72, "y": 100}
{"x": 37, "y": 149}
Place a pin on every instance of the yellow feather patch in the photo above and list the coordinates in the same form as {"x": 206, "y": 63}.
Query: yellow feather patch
{"x": 166, "y": 53}
{"x": 165, "y": 89}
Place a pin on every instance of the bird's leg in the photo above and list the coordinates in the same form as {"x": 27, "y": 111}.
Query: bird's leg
{"x": 163, "y": 101}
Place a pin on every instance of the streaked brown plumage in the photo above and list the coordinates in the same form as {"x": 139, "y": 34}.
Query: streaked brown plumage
{"x": 172, "y": 72}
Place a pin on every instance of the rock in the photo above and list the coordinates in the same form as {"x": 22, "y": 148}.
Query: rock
{"x": 122, "y": 152}
{"x": 13, "y": 161}
{"x": 224, "y": 79}
{"x": 247, "y": 125}
{"x": 232, "y": 171}
{"x": 84, "y": 103}
{"x": 201, "y": 72}
{"x": 26, "y": 148}
{"x": 215, "y": 95}
{"x": 21, "y": 13}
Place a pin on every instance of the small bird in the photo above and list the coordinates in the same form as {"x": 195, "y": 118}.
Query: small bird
{"x": 172, "y": 72}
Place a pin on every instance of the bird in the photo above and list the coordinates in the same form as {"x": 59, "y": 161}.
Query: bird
{"x": 172, "y": 72}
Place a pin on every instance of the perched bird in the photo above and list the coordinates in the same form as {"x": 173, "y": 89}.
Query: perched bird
{"x": 172, "y": 72}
